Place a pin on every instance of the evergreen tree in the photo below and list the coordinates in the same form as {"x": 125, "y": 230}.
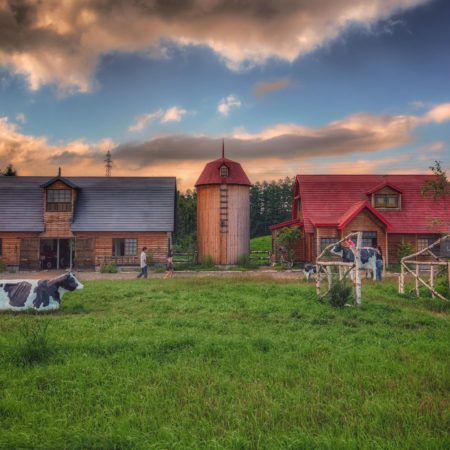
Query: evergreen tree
{"x": 9, "y": 172}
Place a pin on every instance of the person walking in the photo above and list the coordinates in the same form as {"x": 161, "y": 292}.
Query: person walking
{"x": 379, "y": 263}
{"x": 144, "y": 265}
{"x": 169, "y": 265}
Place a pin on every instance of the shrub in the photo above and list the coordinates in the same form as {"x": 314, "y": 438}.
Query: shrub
{"x": 109, "y": 268}
{"x": 244, "y": 261}
{"x": 35, "y": 346}
{"x": 340, "y": 293}
{"x": 208, "y": 262}
{"x": 3, "y": 266}
{"x": 442, "y": 282}
{"x": 404, "y": 249}
{"x": 287, "y": 242}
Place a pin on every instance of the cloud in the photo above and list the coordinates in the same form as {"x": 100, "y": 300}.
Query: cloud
{"x": 61, "y": 42}
{"x": 174, "y": 114}
{"x": 264, "y": 87}
{"x": 347, "y": 145}
{"x": 227, "y": 103}
{"x": 141, "y": 121}
{"x": 20, "y": 117}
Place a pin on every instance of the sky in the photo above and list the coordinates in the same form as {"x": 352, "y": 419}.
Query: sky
{"x": 292, "y": 86}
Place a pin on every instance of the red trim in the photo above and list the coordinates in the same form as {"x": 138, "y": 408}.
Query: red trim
{"x": 383, "y": 185}
{"x": 287, "y": 223}
{"x": 324, "y": 224}
{"x": 349, "y": 216}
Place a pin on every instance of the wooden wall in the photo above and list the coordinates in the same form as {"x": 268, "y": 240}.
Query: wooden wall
{"x": 156, "y": 243}
{"x": 57, "y": 224}
{"x": 11, "y": 246}
{"x": 223, "y": 247}
{"x": 395, "y": 239}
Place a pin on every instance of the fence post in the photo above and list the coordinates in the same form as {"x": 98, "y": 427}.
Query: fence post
{"x": 401, "y": 280}
{"x": 357, "y": 270}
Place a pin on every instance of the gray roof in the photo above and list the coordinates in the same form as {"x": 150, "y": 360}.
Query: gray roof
{"x": 103, "y": 204}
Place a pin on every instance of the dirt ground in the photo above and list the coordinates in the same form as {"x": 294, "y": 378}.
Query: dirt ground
{"x": 89, "y": 276}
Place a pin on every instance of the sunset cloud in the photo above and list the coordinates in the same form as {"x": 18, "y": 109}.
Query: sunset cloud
{"x": 275, "y": 151}
{"x": 264, "y": 87}
{"x": 61, "y": 42}
{"x": 227, "y": 103}
{"x": 174, "y": 114}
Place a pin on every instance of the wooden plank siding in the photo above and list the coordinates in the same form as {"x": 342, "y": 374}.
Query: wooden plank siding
{"x": 224, "y": 247}
{"x": 11, "y": 246}
{"x": 157, "y": 243}
{"x": 57, "y": 224}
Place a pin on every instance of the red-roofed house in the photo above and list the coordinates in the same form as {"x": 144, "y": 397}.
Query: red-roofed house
{"x": 386, "y": 208}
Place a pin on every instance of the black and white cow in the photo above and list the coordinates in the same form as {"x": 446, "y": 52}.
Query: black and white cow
{"x": 310, "y": 270}
{"x": 41, "y": 295}
{"x": 368, "y": 256}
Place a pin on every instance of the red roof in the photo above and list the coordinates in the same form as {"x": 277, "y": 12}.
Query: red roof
{"x": 334, "y": 200}
{"x": 211, "y": 173}
{"x": 287, "y": 223}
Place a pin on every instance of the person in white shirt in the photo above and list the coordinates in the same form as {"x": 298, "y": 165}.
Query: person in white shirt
{"x": 144, "y": 265}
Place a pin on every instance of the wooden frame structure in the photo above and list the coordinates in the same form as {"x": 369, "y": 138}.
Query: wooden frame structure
{"x": 344, "y": 268}
{"x": 419, "y": 281}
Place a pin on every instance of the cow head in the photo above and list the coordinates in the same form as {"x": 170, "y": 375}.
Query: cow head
{"x": 68, "y": 282}
{"x": 346, "y": 253}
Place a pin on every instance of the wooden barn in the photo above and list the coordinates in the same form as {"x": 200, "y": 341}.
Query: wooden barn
{"x": 83, "y": 222}
{"x": 223, "y": 212}
{"x": 388, "y": 209}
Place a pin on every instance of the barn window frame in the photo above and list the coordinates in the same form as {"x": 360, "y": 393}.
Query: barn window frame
{"x": 387, "y": 201}
{"x": 59, "y": 200}
{"x": 124, "y": 247}
{"x": 224, "y": 171}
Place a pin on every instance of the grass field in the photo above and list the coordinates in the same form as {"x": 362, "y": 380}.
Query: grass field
{"x": 227, "y": 363}
{"x": 262, "y": 243}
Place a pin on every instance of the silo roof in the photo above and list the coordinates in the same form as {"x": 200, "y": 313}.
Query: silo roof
{"x": 211, "y": 173}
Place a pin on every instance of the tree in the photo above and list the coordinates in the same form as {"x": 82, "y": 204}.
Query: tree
{"x": 186, "y": 220}
{"x": 287, "y": 241}
{"x": 9, "y": 172}
{"x": 438, "y": 188}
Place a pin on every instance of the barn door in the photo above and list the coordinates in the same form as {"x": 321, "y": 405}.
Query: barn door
{"x": 84, "y": 254}
{"x": 29, "y": 254}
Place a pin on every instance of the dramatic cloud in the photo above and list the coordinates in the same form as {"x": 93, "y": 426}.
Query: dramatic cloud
{"x": 227, "y": 103}
{"x": 264, "y": 88}
{"x": 60, "y": 42}
{"x": 174, "y": 114}
{"x": 276, "y": 151}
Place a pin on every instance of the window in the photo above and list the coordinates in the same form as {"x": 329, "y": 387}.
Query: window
{"x": 124, "y": 247}
{"x": 325, "y": 242}
{"x": 424, "y": 243}
{"x": 59, "y": 200}
{"x": 386, "y": 200}
{"x": 223, "y": 171}
{"x": 369, "y": 239}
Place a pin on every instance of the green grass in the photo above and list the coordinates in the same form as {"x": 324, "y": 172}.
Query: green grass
{"x": 228, "y": 363}
{"x": 262, "y": 243}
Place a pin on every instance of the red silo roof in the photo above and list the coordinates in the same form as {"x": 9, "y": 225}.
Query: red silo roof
{"x": 211, "y": 173}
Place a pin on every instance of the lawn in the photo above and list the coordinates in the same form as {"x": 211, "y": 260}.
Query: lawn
{"x": 227, "y": 363}
{"x": 262, "y": 243}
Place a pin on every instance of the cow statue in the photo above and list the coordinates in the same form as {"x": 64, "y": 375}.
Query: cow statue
{"x": 311, "y": 270}
{"x": 41, "y": 295}
{"x": 368, "y": 256}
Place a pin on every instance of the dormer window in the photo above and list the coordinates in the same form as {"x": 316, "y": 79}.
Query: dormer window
{"x": 59, "y": 200}
{"x": 223, "y": 171}
{"x": 387, "y": 201}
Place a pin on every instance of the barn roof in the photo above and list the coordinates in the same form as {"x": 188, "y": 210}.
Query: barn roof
{"x": 103, "y": 203}
{"x": 333, "y": 200}
{"x": 211, "y": 173}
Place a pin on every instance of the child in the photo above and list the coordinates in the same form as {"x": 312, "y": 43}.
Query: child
{"x": 169, "y": 265}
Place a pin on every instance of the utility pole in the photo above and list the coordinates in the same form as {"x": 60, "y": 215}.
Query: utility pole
{"x": 108, "y": 163}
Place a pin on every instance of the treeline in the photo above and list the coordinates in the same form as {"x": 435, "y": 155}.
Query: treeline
{"x": 270, "y": 203}
{"x": 9, "y": 171}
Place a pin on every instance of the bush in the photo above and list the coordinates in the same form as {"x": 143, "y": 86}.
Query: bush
{"x": 340, "y": 293}
{"x": 404, "y": 249}
{"x": 35, "y": 347}
{"x": 244, "y": 261}
{"x": 442, "y": 282}
{"x": 208, "y": 262}
{"x": 109, "y": 268}
{"x": 3, "y": 267}
{"x": 287, "y": 240}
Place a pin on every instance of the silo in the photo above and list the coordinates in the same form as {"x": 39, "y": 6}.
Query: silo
{"x": 223, "y": 212}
